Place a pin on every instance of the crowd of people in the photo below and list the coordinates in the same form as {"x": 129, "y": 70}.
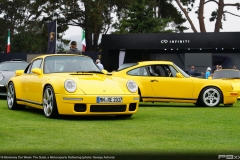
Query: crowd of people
{"x": 193, "y": 72}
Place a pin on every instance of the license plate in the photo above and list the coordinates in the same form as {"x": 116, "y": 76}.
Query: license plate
{"x": 109, "y": 99}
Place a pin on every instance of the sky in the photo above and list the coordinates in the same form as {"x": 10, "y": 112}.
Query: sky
{"x": 231, "y": 25}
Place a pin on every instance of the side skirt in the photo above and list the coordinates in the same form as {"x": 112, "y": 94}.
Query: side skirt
{"x": 30, "y": 103}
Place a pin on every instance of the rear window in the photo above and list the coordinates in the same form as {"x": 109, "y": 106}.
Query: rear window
{"x": 226, "y": 74}
{"x": 126, "y": 65}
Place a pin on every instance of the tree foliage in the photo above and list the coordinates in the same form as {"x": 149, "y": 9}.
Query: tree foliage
{"x": 139, "y": 18}
{"x": 218, "y": 15}
{"x": 27, "y": 19}
{"x": 22, "y": 18}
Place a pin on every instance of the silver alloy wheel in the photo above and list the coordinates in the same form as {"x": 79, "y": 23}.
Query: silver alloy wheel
{"x": 48, "y": 102}
{"x": 211, "y": 97}
{"x": 10, "y": 96}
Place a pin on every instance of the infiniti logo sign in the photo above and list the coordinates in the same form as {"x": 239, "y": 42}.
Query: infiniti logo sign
{"x": 164, "y": 41}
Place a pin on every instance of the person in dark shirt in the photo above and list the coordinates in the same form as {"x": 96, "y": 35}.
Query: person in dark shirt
{"x": 73, "y": 48}
{"x": 192, "y": 72}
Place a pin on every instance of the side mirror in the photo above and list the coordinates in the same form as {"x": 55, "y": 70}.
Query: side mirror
{"x": 19, "y": 72}
{"x": 178, "y": 75}
{"x": 105, "y": 71}
{"x": 37, "y": 71}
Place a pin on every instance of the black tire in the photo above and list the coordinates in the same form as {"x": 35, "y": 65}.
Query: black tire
{"x": 210, "y": 97}
{"x": 49, "y": 103}
{"x": 198, "y": 104}
{"x": 11, "y": 98}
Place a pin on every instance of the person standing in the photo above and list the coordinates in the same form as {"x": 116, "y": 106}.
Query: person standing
{"x": 192, "y": 72}
{"x": 99, "y": 64}
{"x": 208, "y": 72}
{"x": 219, "y": 67}
{"x": 216, "y": 68}
{"x": 73, "y": 48}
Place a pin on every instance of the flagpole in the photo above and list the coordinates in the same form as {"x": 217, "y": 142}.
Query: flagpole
{"x": 56, "y": 38}
{"x": 8, "y": 41}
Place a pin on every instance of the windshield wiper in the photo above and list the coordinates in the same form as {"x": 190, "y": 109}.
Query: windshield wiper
{"x": 90, "y": 72}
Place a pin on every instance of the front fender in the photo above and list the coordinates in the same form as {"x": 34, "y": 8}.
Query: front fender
{"x": 17, "y": 86}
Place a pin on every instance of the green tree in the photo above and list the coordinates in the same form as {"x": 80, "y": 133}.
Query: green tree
{"x": 27, "y": 25}
{"x": 218, "y": 15}
{"x": 22, "y": 18}
{"x": 94, "y": 16}
{"x": 166, "y": 9}
{"x": 149, "y": 16}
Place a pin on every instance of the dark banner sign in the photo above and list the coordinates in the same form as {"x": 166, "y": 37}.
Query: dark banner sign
{"x": 52, "y": 28}
{"x": 210, "y": 40}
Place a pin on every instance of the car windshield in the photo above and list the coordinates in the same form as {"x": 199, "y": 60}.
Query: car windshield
{"x": 78, "y": 64}
{"x": 226, "y": 74}
{"x": 13, "y": 66}
{"x": 181, "y": 71}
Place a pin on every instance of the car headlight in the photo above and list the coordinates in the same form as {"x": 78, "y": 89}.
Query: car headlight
{"x": 70, "y": 85}
{"x": 132, "y": 86}
{"x": 1, "y": 77}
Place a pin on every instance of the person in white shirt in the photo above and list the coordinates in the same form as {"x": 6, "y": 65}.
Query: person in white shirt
{"x": 99, "y": 64}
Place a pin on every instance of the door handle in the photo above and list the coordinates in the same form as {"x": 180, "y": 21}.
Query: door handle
{"x": 154, "y": 80}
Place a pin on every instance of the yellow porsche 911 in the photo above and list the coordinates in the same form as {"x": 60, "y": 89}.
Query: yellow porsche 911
{"x": 71, "y": 85}
{"x": 164, "y": 81}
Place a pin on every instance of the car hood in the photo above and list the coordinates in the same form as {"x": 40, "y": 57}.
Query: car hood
{"x": 6, "y": 76}
{"x": 8, "y": 73}
{"x": 97, "y": 84}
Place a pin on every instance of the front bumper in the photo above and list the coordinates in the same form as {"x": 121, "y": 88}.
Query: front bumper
{"x": 230, "y": 97}
{"x": 87, "y": 105}
{"x": 3, "y": 90}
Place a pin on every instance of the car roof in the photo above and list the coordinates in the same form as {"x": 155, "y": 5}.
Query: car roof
{"x": 154, "y": 62}
{"x": 142, "y": 63}
{"x": 14, "y": 61}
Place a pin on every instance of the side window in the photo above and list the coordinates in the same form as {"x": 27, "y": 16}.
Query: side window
{"x": 27, "y": 69}
{"x": 138, "y": 72}
{"x": 35, "y": 64}
{"x": 153, "y": 70}
{"x": 159, "y": 69}
{"x": 162, "y": 70}
{"x": 143, "y": 71}
{"x": 173, "y": 71}
{"x": 134, "y": 72}
{"x": 170, "y": 71}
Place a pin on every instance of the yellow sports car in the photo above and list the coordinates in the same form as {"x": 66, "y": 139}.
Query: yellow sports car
{"x": 164, "y": 81}
{"x": 230, "y": 75}
{"x": 71, "y": 85}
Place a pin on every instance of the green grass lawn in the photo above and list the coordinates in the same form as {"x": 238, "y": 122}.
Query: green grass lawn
{"x": 156, "y": 128}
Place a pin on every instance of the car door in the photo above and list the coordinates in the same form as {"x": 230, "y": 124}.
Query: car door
{"x": 141, "y": 76}
{"x": 165, "y": 84}
{"x": 33, "y": 82}
{"x": 23, "y": 82}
